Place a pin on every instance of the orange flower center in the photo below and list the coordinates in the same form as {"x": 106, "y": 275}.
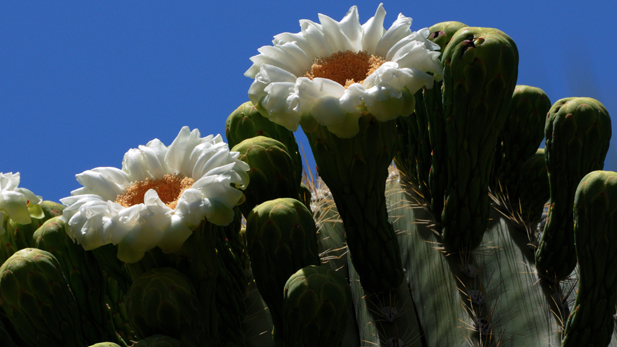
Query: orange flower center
{"x": 345, "y": 67}
{"x": 169, "y": 188}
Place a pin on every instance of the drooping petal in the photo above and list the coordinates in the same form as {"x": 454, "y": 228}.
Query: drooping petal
{"x": 268, "y": 74}
{"x": 15, "y": 205}
{"x": 278, "y": 108}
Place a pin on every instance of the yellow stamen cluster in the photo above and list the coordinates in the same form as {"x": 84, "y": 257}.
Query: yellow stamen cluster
{"x": 169, "y": 189}
{"x": 346, "y": 67}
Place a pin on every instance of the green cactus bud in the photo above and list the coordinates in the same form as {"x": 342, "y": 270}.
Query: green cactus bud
{"x": 84, "y": 275}
{"x": 577, "y": 132}
{"x": 480, "y": 71}
{"x": 317, "y": 303}
{"x": 282, "y": 239}
{"x": 246, "y": 122}
{"x": 441, "y": 34}
{"x": 163, "y": 301}
{"x": 197, "y": 260}
{"x": 595, "y": 217}
{"x": 521, "y": 136}
{"x": 355, "y": 169}
{"x": 271, "y": 171}
{"x": 158, "y": 341}
{"x": 19, "y": 236}
{"x": 533, "y": 188}
{"x": 37, "y": 300}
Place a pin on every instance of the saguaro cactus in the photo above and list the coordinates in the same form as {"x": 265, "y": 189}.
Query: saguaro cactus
{"x": 480, "y": 71}
{"x": 578, "y": 131}
{"x": 591, "y": 322}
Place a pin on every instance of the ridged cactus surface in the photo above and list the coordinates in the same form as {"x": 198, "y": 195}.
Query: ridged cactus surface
{"x": 577, "y": 132}
{"x": 592, "y": 321}
{"x": 480, "y": 72}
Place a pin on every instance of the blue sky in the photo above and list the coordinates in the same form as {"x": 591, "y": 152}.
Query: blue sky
{"x": 83, "y": 82}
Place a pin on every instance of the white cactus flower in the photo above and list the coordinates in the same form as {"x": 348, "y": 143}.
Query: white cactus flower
{"x": 14, "y": 201}
{"x": 332, "y": 73}
{"x": 158, "y": 197}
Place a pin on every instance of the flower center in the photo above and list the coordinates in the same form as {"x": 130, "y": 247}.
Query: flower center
{"x": 169, "y": 188}
{"x": 346, "y": 67}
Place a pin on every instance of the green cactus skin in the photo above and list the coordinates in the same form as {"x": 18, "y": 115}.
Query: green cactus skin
{"x": 19, "y": 236}
{"x": 246, "y": 122}
{"x": 163, "y": 301}
{"x": 5, "y": 337}
{"x": 158, "y": 341}
{"x": 480, "y": 72}
{"x": 37, "y": 300}
{"x": 577, "y": 132}
{"x": 356, "y": 170}
{"x": 441, "y": 34}
{"x": 85, "y": 276}
{"x": 406, "y": 154}
{"x": 533, "y": 189}
{"x": 595, "y": 230}
{"x": 281, "y": 236}
{"x": 271, "y": 171}
{"x": 197, "y": 260}
{"x": 115, "y": 300}
{"x": 231, "y": 286}
{"x": 317, "y": 303}
{"x": 521, "y": 135}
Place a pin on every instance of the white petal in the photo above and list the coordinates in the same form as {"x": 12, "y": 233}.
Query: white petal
{"x": 398, "y": 30}
{"x": 334, "y": 34}
{"x": 316, "y": 38}
{"x": 279, "y": 57}
{"x": 107, "y": 182}
{"x": 15, "y": 205}
{"x": 30, "y": 196}
{"x": 373, "y": 30}
{"x": 299, "y": 40}
{"x": 301, "y": 60}
{"x": 179, "y": 152}
{"x": 174, "y": 235}
{"x": 351, "y": 28}
{"x": 277, "y": 106}
{"x": 268, "y": 74}
{"x": 9, "y": 181}
{"x": 307, "y": 92}
{"x": 353, "y": 97}
{"x": 327, "y": 110}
